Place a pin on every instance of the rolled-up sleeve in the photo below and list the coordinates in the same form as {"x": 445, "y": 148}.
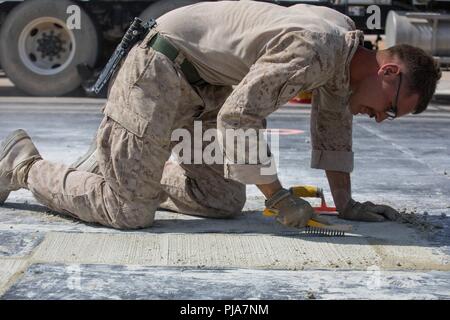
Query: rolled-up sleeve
{"x": 331, "y": 132}
{"x": 295, "y": 63}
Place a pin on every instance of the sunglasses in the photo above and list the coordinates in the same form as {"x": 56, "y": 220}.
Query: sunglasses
{"x": 392, "y": 111}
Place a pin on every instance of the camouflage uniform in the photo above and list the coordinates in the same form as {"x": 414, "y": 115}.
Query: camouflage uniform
{"x": 150, "y": 97}
{"x": 148, "y": 100}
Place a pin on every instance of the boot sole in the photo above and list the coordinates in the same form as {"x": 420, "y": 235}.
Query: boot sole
{"x": 6, "y": 146}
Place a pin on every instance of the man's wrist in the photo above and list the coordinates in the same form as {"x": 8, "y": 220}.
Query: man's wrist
{"x": 277, "y": 197}
{"x": 340, "y": 185}
{"x": 342, "y": 202}
{"x": 270, "y": 189}
{"x": 344, "y": 205}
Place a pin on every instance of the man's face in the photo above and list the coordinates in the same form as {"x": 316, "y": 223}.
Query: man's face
{"x": 377, "y": 94}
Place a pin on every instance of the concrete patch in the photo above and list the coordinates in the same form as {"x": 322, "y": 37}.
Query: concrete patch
{"x": 206, "y": 250}
{"x": 57, "y": 281}
{"x": 233, "y": 250}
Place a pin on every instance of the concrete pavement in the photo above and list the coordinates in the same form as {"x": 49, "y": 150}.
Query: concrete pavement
{"x": 404, "y": 163}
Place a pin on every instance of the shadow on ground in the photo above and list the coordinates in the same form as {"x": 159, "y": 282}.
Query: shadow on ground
{"x": 249, "y": 222}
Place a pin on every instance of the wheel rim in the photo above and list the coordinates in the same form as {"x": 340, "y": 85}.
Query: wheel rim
{"x": 46, "y": 46}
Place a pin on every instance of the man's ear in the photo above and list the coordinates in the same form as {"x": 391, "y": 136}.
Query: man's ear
{"x": 389, "y": 69}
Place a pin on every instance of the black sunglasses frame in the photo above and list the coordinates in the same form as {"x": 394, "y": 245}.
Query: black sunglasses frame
{"x": 392, "y": 111}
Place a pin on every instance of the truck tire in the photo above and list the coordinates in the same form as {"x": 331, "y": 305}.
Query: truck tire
{"x": 161, "y": 7}
{"x": 40, "y": 53}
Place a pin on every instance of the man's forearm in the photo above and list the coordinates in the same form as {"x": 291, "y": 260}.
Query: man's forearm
{"x": 341, "y": 188}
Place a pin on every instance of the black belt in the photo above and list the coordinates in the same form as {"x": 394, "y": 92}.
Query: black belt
{"x": 160, "y": 44}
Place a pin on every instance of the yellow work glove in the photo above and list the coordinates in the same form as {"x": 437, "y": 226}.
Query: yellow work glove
{"x": 292, "y": 211}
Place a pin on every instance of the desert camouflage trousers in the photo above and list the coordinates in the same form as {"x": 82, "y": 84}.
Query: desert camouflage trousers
{"x": 149, "y": 98}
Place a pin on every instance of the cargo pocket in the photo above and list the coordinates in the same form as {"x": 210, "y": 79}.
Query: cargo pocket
{"x": 118, "y": 106}
{"x": 128, "y": 119}
{"x": 137, "y": 91}
{"x": 156, "y": 94}
{"x": 126, "y": 128}
{"x": 121, "y": 148}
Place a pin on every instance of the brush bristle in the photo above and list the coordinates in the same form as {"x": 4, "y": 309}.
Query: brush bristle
{"x": 324, "y": 232}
